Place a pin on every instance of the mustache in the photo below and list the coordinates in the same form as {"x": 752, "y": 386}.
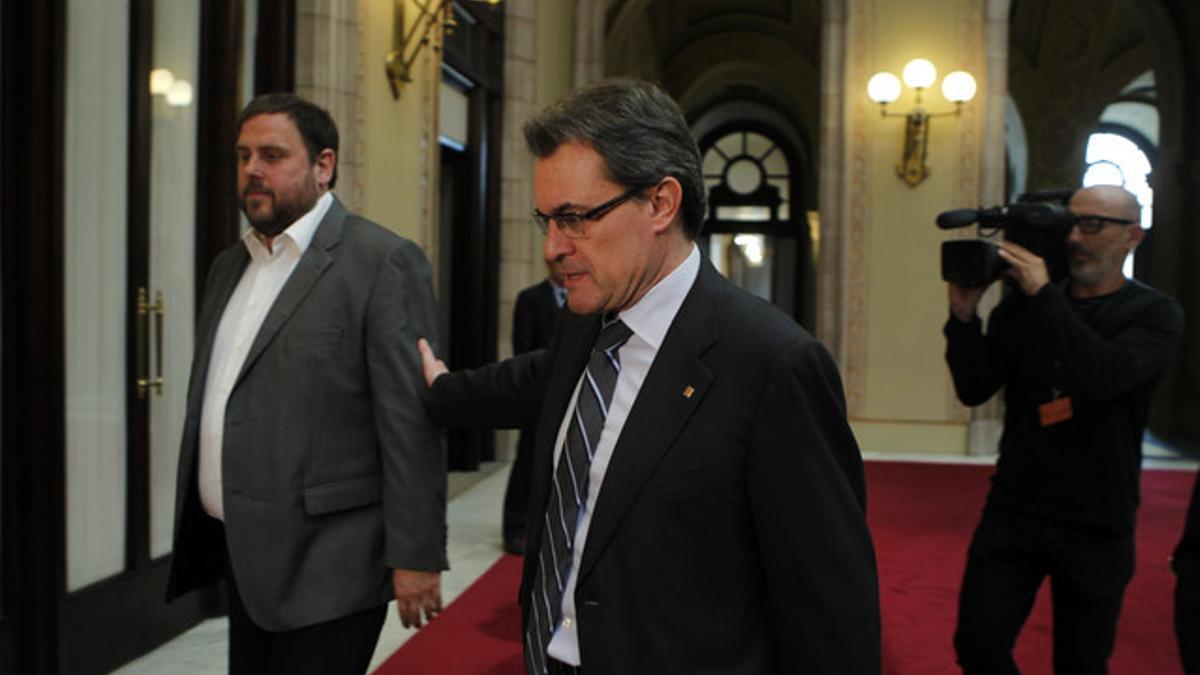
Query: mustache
{"x": 257, "y": 186}
{"x": 1075, "y": 249}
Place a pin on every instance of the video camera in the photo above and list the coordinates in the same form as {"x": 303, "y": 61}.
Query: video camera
{"x": 1039, "y": 221}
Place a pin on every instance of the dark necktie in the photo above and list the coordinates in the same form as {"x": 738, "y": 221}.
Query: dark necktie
{"x": 569, "y": 491}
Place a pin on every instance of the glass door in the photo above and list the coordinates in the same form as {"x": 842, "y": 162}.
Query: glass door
{"x": 107, "y": 125}
{"x": 131, "y": 129}
{"x": 95, "y": 277}
{"x": 170, "y": 288}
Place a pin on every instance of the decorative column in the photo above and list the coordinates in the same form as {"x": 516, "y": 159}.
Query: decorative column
{"x": 327, "y": 73}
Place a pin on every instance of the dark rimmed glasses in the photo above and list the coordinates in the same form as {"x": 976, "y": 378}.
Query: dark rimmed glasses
{"x": 1093, "y": 224}
{"x": 571, "y": 223}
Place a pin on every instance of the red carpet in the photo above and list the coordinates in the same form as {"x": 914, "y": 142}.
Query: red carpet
{"x": 921, "y": 516}
{"x": 478, "y": 634}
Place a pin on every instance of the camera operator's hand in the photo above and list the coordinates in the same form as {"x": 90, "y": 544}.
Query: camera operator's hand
{"x": 964, "y": 300}
{"x": 1026, "y": 268}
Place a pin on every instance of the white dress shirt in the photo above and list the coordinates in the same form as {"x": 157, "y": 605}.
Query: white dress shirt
{"x": 649, "y": 320}
{"x": 260, "y": 284}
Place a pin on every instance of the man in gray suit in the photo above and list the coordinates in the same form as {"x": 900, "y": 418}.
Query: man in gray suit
{"x": 309, "y": 476}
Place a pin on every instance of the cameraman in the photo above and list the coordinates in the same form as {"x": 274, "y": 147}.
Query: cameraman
{"x": 1079, "y": 362}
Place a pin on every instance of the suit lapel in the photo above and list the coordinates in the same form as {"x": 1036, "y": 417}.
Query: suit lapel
{"x": 673, "y": 388}
{"x": 312, "y": 265}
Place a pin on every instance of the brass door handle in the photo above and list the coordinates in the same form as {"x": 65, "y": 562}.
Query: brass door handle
{"x": 144, "y": 308}
{"x": 159, "y": 310}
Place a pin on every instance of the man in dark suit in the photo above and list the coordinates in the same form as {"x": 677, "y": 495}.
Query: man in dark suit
{"x": 534, "y": 317}
{"x": 1185, "y": 562}
{"x": 309, "y": 475}
{"x": 698, "y": 503}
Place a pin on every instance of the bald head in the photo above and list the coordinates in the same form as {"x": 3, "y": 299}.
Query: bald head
{"x": 1096, "y": 258}
{"x": 1107, "y": 200}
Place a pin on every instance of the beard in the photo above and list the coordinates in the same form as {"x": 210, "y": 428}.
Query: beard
{"x": 1090, "y": 267}
{"x": 285, "y": 211}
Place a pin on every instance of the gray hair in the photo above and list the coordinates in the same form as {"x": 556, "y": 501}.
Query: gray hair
{"x": 639, "y": 132}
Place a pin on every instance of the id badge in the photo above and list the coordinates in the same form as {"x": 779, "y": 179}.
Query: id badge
{"x": 1058, "y": 410}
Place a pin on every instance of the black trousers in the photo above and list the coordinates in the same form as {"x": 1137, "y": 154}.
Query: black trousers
{"x": 1006, "y": 563}
{"x": 516, "y": 494}
{"x": 340, "y": 647}
{"x": 1187, "y": 613}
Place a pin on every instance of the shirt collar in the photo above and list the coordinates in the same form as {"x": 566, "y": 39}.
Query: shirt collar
{"x": 300, "y": 233}
{"x": 651, "y": 316}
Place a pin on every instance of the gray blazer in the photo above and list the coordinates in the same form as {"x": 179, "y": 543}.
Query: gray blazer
{"x": 332, "y": 474}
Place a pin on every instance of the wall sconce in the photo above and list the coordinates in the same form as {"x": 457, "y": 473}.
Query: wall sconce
{"x": 958, "y": 87}
{"x": 407, "y": 44}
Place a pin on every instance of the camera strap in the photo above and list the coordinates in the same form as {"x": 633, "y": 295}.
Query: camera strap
{"x": 1058, "y": 409}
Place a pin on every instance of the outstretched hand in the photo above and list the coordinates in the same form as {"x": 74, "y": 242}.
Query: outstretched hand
{"x": 432, "y": 366}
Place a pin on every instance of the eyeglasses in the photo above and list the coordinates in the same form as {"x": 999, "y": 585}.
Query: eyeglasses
{"x": 571, "y": 223}
{"x": 1093, "y": 224}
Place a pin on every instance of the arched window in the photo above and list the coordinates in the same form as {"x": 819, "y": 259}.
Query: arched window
{"x": 1115, "y": 159}
{"x": 750, "y": 235}
{"x": 1123, "y": 149}
{"x": 747, "y": 178}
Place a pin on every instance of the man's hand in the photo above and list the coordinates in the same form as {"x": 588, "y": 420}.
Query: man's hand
{"x": 417, "y": 592}
{"x": 964, "y": 300}
{"x": 1028, "y": 269}
{"x": 430, "y": 364}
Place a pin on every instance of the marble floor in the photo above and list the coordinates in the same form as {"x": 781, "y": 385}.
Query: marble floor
{"x": 473, "y": 519}
{"x": 473, "y": 544}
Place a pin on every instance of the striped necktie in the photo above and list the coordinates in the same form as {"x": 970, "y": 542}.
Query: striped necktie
{"x": 569, "y": 491}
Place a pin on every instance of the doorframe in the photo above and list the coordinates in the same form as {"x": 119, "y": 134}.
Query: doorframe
{"x": 31, "y": 245}
{"x": 790, "y": 143}
{"x": 93, "y": 635}
{"x": 473, "y": 57}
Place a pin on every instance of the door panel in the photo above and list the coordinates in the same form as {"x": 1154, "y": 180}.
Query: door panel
{"x": 95, "y": 279}
{"x": 172, "y": 259}
{"x": 99, "y": 202}
{"x": 129, "y": 249}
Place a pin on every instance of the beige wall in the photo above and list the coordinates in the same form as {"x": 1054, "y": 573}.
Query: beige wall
{"x": 898, "y": 385}
{"x": 555, "y": 48}
{"x": 555, "y": 51}
{"x": 397, "y": 145}
{"x": 907, "y": 403}
{"x": 539, "y": 46}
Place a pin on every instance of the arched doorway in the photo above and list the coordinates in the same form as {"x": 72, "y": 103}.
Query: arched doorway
{"x": 757, "y": 231}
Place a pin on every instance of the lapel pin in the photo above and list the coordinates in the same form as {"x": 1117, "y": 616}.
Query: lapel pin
{"x": 688, "y": 391}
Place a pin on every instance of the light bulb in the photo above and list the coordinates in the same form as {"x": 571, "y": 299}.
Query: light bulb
{"x": 958, "y": 86}
{"x": 883, "y": 87}
{"x": 919, "y": 73}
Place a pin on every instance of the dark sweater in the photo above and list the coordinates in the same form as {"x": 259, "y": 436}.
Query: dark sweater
{"x": 1107, "y": 355}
